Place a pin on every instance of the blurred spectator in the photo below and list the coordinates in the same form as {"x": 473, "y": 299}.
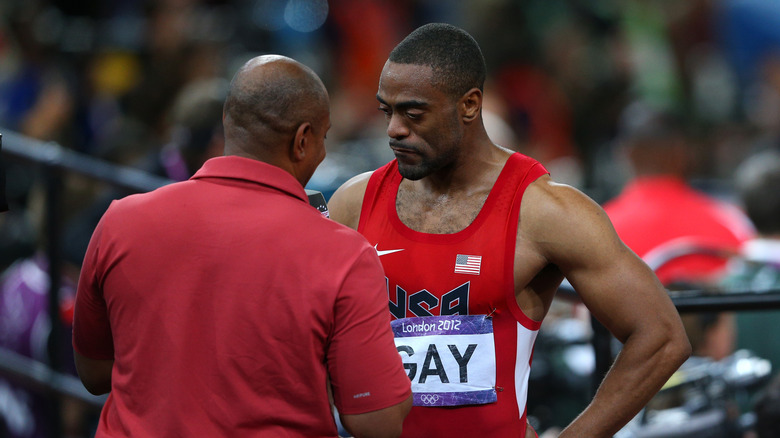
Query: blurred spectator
{"x": 685, "y": 235}
{"x": 757, "y": 180}
{"x": 37, "y": 100}
{"x": 26, "y": 324}
{"x": 659, "y": 214}
{"x": 537, "y": 104}
{"x": 195, "y": 136}
{"x": 36, "y": 97}
{"x": 758, "y": 268}
{"x": 749, "y": 33}
{"x": 25, "y": 327}
{"x": 195, "y": 132}
{"x": 365, "y": 32}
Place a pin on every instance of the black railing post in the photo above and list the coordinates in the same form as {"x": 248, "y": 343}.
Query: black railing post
{"x": 53, "y": 178}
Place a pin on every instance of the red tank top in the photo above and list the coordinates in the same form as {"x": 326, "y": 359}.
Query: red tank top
{"x": 468, "y": 272}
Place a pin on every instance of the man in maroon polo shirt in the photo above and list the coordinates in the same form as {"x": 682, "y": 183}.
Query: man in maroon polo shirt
{"x": 226, "y": 305}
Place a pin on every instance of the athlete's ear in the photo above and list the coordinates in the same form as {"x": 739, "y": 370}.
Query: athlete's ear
{"x": 471, "y": 105}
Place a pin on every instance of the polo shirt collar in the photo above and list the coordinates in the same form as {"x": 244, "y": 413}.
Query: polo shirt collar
{"x": 247, "y": 169}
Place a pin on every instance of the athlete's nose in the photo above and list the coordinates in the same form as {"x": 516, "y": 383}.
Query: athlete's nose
{"x": 396, "y": 128}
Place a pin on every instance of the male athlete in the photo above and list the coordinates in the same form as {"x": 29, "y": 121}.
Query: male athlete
{"x": 471, "y": 270}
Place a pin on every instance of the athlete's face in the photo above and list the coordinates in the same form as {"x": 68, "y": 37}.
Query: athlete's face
{"x": 423, "y": 122}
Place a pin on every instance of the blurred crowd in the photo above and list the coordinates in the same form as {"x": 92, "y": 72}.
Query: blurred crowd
{"x": 141, "y": 83}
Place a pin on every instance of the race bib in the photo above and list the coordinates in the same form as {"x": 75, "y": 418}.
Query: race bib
{"x": 451, "y": 360}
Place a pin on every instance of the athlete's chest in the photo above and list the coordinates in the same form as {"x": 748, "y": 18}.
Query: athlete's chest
{"x": 438, "y": 214}
{"x": 445, "y": 275}
{"x": 445, "y": 255}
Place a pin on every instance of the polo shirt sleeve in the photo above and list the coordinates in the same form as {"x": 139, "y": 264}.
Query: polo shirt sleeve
{"x": 365, "y": 368}
{"x": 91, "y": 329}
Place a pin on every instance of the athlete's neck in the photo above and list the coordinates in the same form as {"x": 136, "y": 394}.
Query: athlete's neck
{"x": 474, "y": 171}
{"x": 445, "y": 205}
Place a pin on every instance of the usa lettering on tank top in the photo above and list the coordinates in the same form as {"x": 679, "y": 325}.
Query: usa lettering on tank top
{"x": 465, "y": 382}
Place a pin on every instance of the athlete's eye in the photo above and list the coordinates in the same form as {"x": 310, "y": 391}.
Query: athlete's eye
{"x": 414, "y": 115}
{"x": 386, "y": 111}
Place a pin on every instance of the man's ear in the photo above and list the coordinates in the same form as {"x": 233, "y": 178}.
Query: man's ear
{"x": 471, "y": 104}
{"x": 300, "y": 142}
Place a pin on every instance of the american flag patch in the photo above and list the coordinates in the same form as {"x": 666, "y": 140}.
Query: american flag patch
{"x": 467, "y": 264}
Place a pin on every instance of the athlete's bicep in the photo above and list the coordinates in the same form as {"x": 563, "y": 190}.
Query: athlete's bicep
{"x": 576, "y": 235}
{"x": 345, "y": 203}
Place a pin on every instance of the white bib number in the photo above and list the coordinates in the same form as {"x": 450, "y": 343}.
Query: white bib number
{"x": 451, "y": 360}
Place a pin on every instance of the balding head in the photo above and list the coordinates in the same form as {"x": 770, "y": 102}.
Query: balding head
{"x": 269, "y": 98}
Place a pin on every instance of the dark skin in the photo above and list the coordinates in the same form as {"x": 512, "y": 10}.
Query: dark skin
{"x": 292, "y": 138}
{"x": 450, "y": 165}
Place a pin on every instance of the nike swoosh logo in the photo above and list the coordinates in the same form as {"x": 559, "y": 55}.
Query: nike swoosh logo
{"x": 389, "y": 251}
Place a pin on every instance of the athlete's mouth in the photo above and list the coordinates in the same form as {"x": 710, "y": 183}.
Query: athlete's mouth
{"x": 400, "y": 148}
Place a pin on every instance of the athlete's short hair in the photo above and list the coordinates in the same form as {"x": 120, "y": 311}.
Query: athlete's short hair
{"x": 452, "y": 53}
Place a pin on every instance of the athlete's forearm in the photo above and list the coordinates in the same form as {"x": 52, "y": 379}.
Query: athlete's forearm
{"x": 639, "y": 372}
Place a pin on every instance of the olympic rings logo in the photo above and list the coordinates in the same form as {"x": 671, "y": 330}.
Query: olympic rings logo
{"x": 429, "y": 399}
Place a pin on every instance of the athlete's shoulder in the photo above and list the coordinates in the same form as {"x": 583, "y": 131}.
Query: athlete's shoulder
{"x": 345, "y": 203}
{"x": 550, "y": 209}
{"x": 355, "y": 184}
